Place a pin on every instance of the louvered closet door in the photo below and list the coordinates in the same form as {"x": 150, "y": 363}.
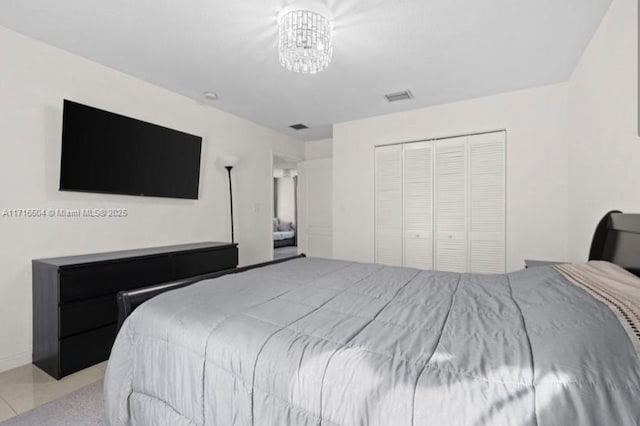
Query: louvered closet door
{"x": 451, "y": 205}
{"x": 487, "y": 203}
{"x": 388, "y": 205}
{"x": 418, "y": 205}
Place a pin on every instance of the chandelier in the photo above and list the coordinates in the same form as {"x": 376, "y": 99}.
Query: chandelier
{"x": 304, "y": 30}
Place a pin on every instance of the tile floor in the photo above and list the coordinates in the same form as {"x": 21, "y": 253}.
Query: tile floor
{"x": 28, "y": 387}
{"x": 281, "y": 252}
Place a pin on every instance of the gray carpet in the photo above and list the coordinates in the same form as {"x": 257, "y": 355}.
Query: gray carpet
{"x": 83, "y": 407}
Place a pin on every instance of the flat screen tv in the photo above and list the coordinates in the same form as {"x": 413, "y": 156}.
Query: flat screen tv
{"x": 110, "y": 153}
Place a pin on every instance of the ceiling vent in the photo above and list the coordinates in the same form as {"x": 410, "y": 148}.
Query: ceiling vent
{"x": 298, "y": 126}
{"x": 399, "y": 96}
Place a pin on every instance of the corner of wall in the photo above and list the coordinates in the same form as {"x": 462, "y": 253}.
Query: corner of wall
{"x": 604, "y": 147}
{"x": 322, "y": 148}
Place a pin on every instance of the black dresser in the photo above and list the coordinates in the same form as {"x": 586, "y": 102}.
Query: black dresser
{"x": 74, "y": 298}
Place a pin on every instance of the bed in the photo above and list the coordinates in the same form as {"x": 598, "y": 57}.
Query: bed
{"x": 284, "y": 233}
{"x": 325, "y": 342}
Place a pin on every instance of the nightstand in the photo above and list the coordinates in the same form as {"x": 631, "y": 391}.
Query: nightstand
{"x": 530, "y": 263}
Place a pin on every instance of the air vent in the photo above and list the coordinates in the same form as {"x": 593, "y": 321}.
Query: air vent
{"x": 298, "y": 126}
{"x": 399, "y": 96}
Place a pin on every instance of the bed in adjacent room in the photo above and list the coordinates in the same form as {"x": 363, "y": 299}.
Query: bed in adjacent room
{"x": 326, "y": 342}
{"x": 284, "y": 233}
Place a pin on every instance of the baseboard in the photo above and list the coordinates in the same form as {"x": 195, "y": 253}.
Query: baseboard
{"x": 15, "y": 360}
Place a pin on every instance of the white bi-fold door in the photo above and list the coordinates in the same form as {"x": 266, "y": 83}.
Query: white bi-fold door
{"x": 486, "y": 215}
{"x": 451, "y": 205}
{"x": 388, "y": 205}
{"x": 441, "y": 204}
{"x": 418, "y": 205}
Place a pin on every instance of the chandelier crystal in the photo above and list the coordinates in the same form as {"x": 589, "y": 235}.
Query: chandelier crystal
{"x": 305, "y": 43}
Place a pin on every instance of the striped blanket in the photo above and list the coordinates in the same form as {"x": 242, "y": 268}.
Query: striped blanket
{"x": 613, "y": 286}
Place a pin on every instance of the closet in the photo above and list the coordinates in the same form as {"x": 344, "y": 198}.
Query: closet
{"x": 440, "y": 204}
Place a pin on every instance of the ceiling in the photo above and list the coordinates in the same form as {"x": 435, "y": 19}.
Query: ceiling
{"x": 442, "y": 50}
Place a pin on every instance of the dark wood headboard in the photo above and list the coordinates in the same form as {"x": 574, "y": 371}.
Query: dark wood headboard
{"x": 130, "y": 299}
{"x": 617, "y": 240}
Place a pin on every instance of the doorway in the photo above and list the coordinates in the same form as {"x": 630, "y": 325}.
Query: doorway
{"x": 285, "y": 207}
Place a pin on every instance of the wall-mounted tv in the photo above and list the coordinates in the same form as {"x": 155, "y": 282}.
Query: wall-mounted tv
{"x": 110, "y": 153}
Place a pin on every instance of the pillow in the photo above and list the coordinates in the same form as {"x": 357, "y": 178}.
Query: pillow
{"x": 275, "y": 224}
{"x": 284, "y": 226}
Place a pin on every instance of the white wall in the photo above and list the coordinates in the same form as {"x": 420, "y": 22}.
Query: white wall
{"x": 604, "y": 162}
{"x": 34, "y": 79}
{"x": 536, "y": 124}
{"x": 286, "y": 207}
{"x": 322, "y": 148}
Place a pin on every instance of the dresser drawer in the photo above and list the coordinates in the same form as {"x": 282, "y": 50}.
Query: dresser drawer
{"x": 86, "y": 349}
{"x": 88, "y": 314}
{"x": 189, "y": 264}
{"x": 103, "y": 279}
{"x": 85, "y": 282}
{"x": 138, "y": 273}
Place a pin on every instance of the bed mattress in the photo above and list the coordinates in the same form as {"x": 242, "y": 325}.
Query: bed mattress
{"x": 325, "y": 342}
{"x": 283, "y": 235}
